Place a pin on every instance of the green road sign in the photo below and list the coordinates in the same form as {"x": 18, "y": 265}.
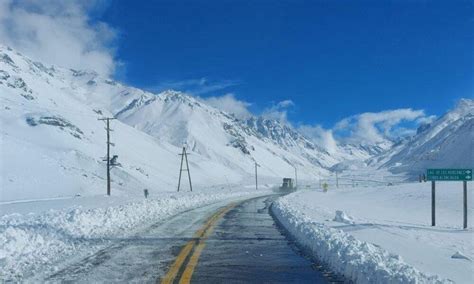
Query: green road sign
{"x": 449, "y": 174}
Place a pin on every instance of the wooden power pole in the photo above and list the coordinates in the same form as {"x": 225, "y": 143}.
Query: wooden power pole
{"x": 107, "y": 158}
{"x": 296, "y": 177}
{"x": 184, "y": 156}
{"x": 256, "y": 176}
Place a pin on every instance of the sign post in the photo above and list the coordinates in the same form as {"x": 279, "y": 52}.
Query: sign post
{"x": 465, "y": 203}
{"x": 463, "y": 175}
{"x": 433, "y": 203}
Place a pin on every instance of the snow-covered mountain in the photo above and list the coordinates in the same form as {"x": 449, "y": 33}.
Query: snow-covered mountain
{"x": 219, "y": 136}
{"x": 448, "y": 142}
{"x": 52, "y": 143}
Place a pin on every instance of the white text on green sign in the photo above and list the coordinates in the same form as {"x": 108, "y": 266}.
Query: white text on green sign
{"x": 449, "y": 174}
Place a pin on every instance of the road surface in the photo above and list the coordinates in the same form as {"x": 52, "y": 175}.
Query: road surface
{"x": 231, "y": 242}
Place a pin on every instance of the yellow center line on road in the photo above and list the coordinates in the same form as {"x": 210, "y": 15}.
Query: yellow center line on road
{"x": 188, "y": 272}
{"x": 171, "y": 275}
{"x": 201, "y": 235}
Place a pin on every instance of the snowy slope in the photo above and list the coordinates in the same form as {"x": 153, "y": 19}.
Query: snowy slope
{"x": 446, "y": 142}
{"x": 52, "y": 143}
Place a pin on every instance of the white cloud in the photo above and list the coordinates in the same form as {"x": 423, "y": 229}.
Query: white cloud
{"x": 278, "y": 111}
{"x": 230, "y": 104}
{"x": 426, "y": 119}
{"x": 373, "y": 127}
{"x": 286, "y": 104}
{"x": 59, "y": 32}
{"x": 366, "y": 128}
{"x": 319, "y": 135}
{"x": 195, "y": 87}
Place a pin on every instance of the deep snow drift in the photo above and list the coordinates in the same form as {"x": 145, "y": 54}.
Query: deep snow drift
{"x": 383, "y": 234}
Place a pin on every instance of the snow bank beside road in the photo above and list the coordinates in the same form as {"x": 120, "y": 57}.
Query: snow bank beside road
{"x": 358, "y": 261}
{"x": 377, "y": 235}
{"x": 36, "y": 241}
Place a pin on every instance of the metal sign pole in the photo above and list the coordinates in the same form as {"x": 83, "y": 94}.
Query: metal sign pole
{"x": 433, "y": 203}
{"x": 463, "y": 175}
{"x": 465, "y": 204}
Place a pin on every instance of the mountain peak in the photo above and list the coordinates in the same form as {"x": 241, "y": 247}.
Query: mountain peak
{"x": 465, "y": 106}
{"x": 172, "y": 95}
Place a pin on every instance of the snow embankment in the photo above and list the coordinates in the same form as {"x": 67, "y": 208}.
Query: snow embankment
{"x": 356, "y": 260}
{"x": 382, "y": 234}
{"x": 36, "y": 241}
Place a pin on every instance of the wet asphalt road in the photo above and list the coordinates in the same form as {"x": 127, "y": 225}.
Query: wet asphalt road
{"x": 245, "y": 246}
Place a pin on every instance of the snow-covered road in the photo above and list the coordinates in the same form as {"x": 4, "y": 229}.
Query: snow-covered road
{"x": 142, "y": 257}
{"x": 244, "y": 245}
{"x": 379, "y": 234}
{"x": 37, "y": 244}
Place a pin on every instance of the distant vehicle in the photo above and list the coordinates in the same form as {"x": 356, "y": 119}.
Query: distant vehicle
{"x": 287, "y": 184}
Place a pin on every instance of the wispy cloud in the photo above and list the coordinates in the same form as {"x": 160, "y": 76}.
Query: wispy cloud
{"x": 59, "y": 32}
{"x": 230, "y": 104}
{"x": 197, "y": 87}
{"x": 279, "y": 111}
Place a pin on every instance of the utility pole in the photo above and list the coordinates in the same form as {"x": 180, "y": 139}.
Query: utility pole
{"x": 184, "y": 156}
{"x": 296, "y": 177}
{"x": 107, "y": 128}
{"x": 256, "y": 175}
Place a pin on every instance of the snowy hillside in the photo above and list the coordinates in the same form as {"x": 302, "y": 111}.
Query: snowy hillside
{"x": 50, "y": 132}
{"x": 53, "y": 144}
{"x": 446, "y": 142}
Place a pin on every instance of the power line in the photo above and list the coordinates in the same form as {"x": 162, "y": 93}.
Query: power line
{"x": 256, "y": 175}
{"x": 184, "y": 156}
{"x": 113, "y": 162}
{"x": 296, "y": 177}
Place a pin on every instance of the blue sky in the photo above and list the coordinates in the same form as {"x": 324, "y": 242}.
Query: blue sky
{"x": 323, "y": 66}
{"x": 332, "y": 60}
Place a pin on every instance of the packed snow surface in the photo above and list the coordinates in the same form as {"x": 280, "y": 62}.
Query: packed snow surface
{"x": 383, "y": 234}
